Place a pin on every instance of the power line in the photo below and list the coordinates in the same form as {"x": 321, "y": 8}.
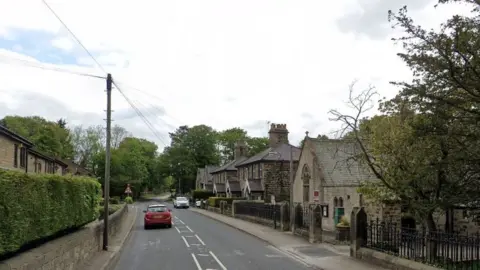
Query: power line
{"x": 73, "y": 35}
{"x": 26, "y": 63}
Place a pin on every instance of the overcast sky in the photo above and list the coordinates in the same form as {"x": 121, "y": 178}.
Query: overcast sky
{"x": 221, "y": 63}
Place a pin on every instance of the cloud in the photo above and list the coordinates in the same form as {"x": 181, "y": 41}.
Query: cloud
{"x": 219, "y": 63}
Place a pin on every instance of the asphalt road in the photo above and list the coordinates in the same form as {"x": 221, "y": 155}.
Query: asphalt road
{"x": 196, "y": 242}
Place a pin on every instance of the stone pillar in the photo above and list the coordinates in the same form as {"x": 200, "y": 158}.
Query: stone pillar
{"x": 284, "y": 224}
{"x": 358, "y": 230}
{"x": 314, "y": 226}
{"x": 292, "y": 217}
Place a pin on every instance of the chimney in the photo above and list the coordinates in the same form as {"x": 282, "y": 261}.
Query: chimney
{"x": 240, "y": 149}
{"x": 278, "y": 134}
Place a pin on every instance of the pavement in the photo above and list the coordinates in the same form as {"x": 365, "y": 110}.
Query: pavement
{"x": 198, "y": 242}
{"x": 321, "y": 256}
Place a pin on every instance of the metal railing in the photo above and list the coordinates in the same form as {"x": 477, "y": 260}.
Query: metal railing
{"x": 444, "y": 250}
{"x": 259, "y": 210}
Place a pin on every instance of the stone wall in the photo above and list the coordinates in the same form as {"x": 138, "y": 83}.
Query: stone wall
{"x": 67, "y": 252}
{"x": 276, "y": 179}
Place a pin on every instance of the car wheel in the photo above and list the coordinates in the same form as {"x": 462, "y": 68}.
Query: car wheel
{"x": 169, "y": 226}
{"x": 145, "y": 227}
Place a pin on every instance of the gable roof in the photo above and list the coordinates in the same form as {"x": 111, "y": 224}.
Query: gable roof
{"x": 230, "y": 166}
{"x": 280, "y": 152}
{"x": 336, "y": 160}
{"x": 14, "y": 136}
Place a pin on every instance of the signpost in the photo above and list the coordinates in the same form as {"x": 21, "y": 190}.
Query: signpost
{"x": 128, "y": 190}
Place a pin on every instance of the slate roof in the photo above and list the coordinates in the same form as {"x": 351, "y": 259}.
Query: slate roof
{"x": 280, "y": 152}
{"x": 230, "y": 166}
{"x": 5, "y": 131}
{"x": 208, "y": 171}
{"x": 255, "y": 185}
{"x": 336, "y": 159}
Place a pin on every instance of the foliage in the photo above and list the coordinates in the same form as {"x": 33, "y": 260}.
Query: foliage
{"x": 49, "y": 137}
{"x": 344, "y": 222}
{"x": 36, "y": 206}
{"x": 112, "y": 208}
{"x": 129, "y": 200}
{"x": 201, "y": 194}
{"x": 229, "y": 137}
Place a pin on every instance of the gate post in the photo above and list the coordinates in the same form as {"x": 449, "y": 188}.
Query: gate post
{"x": 358, "y": 230}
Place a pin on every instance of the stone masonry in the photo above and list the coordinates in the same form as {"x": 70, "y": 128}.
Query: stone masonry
{"x": 67, "y": 252}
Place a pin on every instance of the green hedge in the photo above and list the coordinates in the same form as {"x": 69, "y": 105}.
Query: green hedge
{"x": 215, "y": 201}
{"x": 112, "y": 208}
{"x": 201, "y": 194}
{"x": 37, "y": 206}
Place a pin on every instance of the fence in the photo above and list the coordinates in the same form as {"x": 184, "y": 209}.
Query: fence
{"x": 302, "y": 216}
{"x": 445, "y": 250}
{"x": 259, "y": 210}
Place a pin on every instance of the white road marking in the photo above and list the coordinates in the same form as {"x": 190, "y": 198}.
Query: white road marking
{"x": 239, "y": 252}
{"x": 177, "y": 230}
{"x": 189, "y": 236}
{"x": 185, "y": 240}
{"x": 200, "y": 240}
{"x": 204, "y": 255}
{"x": 290, "y": 255}
{"x": 179, "y": 220}
{"x": 189, "y": 229}
{"x": 218, "y": 261}
{"x": 196, "y": 262}
{"x": 273, "y": 256}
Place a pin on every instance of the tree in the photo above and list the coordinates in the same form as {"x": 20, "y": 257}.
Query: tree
{"x": 118, "y": 135}
{"x": 47, "y": 136}
{"x": 227, "y": 140}
{"x": 89, "y": 142}
{"x": 256, "y": 145}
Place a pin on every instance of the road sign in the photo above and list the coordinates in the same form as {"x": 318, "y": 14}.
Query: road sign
{"x": 128, "y": 190}
{"x": 316, "y": 194}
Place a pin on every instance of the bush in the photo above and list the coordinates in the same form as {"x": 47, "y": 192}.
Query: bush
{"x": 112, "y": 208}
{"x": 37, "y": 206}
{"x": 215, "y": 201}
{"x": 114, "y": 200}
{"x": 129, "y": 200}
{"x": 201, "y": 194}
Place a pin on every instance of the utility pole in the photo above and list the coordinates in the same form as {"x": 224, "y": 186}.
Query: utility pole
{"x": 106, "y": 184}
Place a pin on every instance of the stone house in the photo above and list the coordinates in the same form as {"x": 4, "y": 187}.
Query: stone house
{"x": 205, "y": 178}
{"x": 266, "y": 174}
{"x": 226, "y": 182}
{"x": 41, "y": 163}
{"x": 13, "y": 150}
{"x": 199, "y": 179}
{"x": 328, "y": 176}
{"x": 75, "y": 169}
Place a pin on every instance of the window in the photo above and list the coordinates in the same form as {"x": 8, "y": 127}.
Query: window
{"x": 157, "y": 209}
{"x": 340, "y": 202}
{"x": 306, "y": 183}
{"x": 39, "y": 167}
{"x": 23, "y": 157}
{"x": 15, "y": 156}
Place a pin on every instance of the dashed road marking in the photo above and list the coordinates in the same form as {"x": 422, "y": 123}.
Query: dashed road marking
{"x": 177, "y": 229}
{"x": 189, "y": 229}
{"x": 196, "y": 262}
{"x": 185, "y": 240}
{"x": 179, "y": 220}
{"x": 218, "y": 261}
{"x": 203, "y": 255}
{"x": 199, "y": 239}
{"x": 273, "y": 256}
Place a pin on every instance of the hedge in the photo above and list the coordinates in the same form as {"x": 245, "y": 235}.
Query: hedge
{"x": 38, "y": 206}
{"x": 215, "y": 201}
{"x": 201, "y": 194}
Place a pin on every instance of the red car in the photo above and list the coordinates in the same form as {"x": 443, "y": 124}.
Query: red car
{"x": 157, "y": 214}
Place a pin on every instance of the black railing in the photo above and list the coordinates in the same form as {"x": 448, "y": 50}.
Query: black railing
{"x": 444, "y": 250}
{"x": 259, "y": 210}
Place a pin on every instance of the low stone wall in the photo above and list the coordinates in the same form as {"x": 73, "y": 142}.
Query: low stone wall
{"x": 390, "y": 261}
{"x": 68, "y": 252}
{"x": 266, "y": 222}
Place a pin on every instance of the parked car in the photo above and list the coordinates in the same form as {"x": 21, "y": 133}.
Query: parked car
{"x": 181, "y": 202}
{"x": 157, "y": 214}
{"x": 198, "y": 203}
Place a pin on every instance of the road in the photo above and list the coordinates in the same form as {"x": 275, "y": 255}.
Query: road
{"x": 196, "y": 242}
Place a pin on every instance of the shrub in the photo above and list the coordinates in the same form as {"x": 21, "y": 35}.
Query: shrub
{"x": 112, "y": 208}
{"x": 215, "y": 201}
{"x": 37, "y": 206}
{"x": 129, "y": 200}
{"x": 201, "y": 194}
{"x": 114, "y": 200}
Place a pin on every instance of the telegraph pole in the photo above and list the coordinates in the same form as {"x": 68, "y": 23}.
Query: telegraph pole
{"x": 106, "y": 185}
{"x": 292, "y": 209}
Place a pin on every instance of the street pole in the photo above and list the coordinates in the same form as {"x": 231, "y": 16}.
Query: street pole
{"x": 106, "y": 185}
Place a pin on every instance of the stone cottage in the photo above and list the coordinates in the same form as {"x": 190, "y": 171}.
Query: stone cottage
{"x": 205, "y": 178}
{"x": 266, "y": 174}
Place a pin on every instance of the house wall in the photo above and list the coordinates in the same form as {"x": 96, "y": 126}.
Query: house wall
{"x": 7, "y": 154}
{"x": 60, "y": 169}
{"x": 350, "y": 198}
{"x": 279, "y": 184}
{"x": 32, "y": 159}
{"x": 306, "y": 158}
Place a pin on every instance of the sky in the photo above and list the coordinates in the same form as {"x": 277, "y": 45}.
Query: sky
{"x": 225, "y": 64}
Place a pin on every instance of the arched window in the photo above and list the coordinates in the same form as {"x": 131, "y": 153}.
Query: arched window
{"x": 335, "y": 202}
{"x": 340, "y": 202}
{"x": 306, "y": 183}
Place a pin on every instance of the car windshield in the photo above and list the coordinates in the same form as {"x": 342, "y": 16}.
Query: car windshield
{"x": 182, "y": 199}
{"x": 157, "y": 209}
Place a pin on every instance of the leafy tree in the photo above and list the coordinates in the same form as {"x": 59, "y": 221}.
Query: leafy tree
{"x": 119, "y": 133}
{"x": 256, "y": 145}
{"x": 49, "y": 137}
{"x": 227, "y": 140}
{"x": 89, "y": 142}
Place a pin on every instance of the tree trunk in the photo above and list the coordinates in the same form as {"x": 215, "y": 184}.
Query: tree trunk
{"x": 431, "y": 241}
